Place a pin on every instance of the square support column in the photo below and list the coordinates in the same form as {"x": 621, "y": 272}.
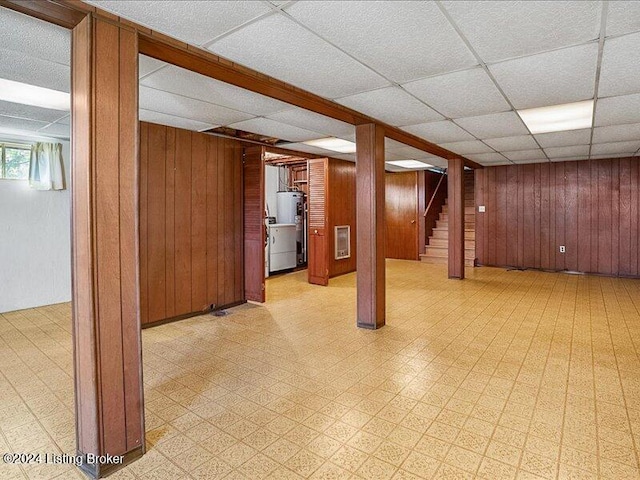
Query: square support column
{"x": 455, "y": 189}
{"x": 105, "y": 256}
{"x": 370, "y": 226}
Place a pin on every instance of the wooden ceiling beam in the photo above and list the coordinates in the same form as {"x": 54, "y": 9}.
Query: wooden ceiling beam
{"x": 68, "y": 13}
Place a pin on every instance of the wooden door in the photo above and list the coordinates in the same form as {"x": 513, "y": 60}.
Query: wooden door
{"x": 254, "y": 227}
{"x": 318, "y": 264}
{"x": 401, "y": 215}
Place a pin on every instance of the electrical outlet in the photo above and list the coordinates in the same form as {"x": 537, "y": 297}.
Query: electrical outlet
{"x": 562, "y": 249}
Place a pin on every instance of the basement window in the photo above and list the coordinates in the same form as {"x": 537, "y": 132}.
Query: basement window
{"x": 14, "y": 161}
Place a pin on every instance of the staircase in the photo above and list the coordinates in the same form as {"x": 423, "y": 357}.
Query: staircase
{"x": 437, "y": 249}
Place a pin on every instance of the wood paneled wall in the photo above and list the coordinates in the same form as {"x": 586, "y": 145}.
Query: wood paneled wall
{"x": 191, "y": 222}
{"x": 341, "y": 210}
{"x": 591, "y": 207}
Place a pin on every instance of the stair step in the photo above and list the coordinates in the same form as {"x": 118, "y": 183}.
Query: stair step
{"x": 444, "y": 252}
{"x": 443, "y": 260}
{"x": 444, "y": 242}
{"x": 468, "y": 217}
{"x": 445, "y": 224}
{"x": 468, "y": 210}
{"x": 444, "y": 233}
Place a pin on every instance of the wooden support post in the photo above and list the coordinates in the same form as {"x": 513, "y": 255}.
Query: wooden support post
{"x": 370, "y": 225}
{"x": 455, "y": 189}
{"x": 106, "y": 313}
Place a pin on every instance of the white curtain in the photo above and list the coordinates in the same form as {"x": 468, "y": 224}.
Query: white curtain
{"x": 46, "y": 169}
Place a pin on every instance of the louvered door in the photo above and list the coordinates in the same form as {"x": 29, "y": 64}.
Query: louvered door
{"x": 318, "y": 265}
{"x": 254, "y": 228}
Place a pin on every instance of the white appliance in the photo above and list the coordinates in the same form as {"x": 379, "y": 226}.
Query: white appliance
{"x": 291, "y": 210}
{"x": 282, "y": 246}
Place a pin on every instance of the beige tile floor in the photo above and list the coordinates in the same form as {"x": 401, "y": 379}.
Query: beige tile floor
{"x": 524, "y": 375}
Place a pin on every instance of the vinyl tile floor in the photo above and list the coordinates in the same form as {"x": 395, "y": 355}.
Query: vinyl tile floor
{"x": 505, "y": 375}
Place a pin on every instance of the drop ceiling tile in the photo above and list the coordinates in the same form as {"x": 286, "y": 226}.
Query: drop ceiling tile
{"x": 265, "y": 126}
{"x": 623, "y": 17}
{"x": 34, "y": 71}
{"x": 567, "y": 159}
{"x": 611, "y": 155}
{"x": 391, "y": 105}
{"x": 438, "y": 162}
{"x": 616, "y": 147}
{"x": 279, "y": 47}
{"x": 65, "y": 120}
{"x": 573, "y": 151}
{"x": 620, "y": 73}
{"x": 520, "y": 142}
{"x": 390, "y": 144}
{"x": 535, "y": 154}
{"x": 35, "y": 38}
{"x": 499, "y": 30}
{"x": 564, "y": 139}
{"x": 173, "y": 121}
{"x": 439, "y": 132}
{"x": 179, "y": 106}
{"x": 299, "y": 117}
{"x": 190, "y": 84}
{"x": 56, "y": 130}
{"x": 618, "y": 110}
{"x": 147, "y": 65}
{"x": 302, "y": 147}
{"x": 498, "y": 163}
{"x": 460, "y": 94}
{"x": 20, "y": 124}
{"x": 483, "y": 158}
{"x": 529, "y": 161}
{"x": 410, "y": 153}
{"x": 394, "y": 155}
{"x": 495, "y": 125}
{"x": 402, "y": 40}
{"x": 551, "y": 78}
{"x": 193, "y": 22}
{"x": 30, "y": 112}
{"x": 349, "y": 157}
{"x": 617, "y": 133}
{"x": 471, "y": 146}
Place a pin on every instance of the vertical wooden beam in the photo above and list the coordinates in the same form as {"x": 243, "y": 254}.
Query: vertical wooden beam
{"x": 106, "y": 303}
{"x": 370, "y": 225}
{"x": 455, "y": 188}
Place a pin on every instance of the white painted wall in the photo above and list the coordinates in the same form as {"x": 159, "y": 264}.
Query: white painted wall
{"x": 35, "y": 249}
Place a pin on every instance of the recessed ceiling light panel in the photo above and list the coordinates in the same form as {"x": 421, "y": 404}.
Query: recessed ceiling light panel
{"x": 558, "y": 118}
{"x": 409, "y": 164}
{"x": 333, "y": 144}
{"x": 25, "y": 94}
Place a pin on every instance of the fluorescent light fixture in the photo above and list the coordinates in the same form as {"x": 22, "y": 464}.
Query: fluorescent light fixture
{"x": 409, "y": 164}
{"x": 558, "y": 118}
{"x": 25, "y": 94}
{"x": 333, "y": 144}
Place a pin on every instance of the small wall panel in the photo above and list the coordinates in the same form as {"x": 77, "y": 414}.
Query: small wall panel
{"x": 590, "y": 207}
{"x": 191, "y": 222}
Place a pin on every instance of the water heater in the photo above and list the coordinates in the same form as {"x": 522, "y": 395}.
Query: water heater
{"x": 291, "y": 210}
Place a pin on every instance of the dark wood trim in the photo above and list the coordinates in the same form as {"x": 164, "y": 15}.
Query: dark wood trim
{"x": 99, "y": 470}
{"x": 191, "y": 315}
{"x": 53, "y": 12}
{"x": 370, "y": 206}
{"x": 455, "y": 189}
